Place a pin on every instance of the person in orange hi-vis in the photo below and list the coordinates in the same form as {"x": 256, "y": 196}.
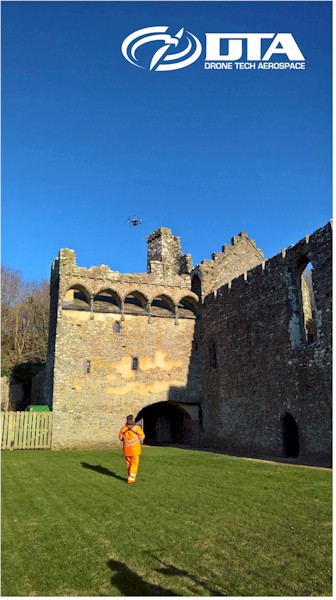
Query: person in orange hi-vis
{"x": 132, "y": 437}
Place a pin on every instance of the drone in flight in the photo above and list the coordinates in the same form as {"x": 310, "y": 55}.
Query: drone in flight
{"x": 134, "y": 221}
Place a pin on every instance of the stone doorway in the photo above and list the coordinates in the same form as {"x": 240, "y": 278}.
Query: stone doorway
{"x": 166, "y": 423}
{"x": 290, "y": 436}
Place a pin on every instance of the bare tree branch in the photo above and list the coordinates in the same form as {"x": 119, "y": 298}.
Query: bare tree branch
{"x": 25, "y": 317}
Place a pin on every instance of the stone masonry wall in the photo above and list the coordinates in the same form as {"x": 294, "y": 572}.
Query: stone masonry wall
{"x": 165, "y": 249}
{"x": 171, "y": 321}
{"x": 89, "y": 408}
{"x": 235, "y": 258}
{"x": 156, "y": 328}
{"x": 265, "y": 367}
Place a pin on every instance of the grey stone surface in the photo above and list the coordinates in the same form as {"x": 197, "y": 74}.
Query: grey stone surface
{"x": 254, "y": 314}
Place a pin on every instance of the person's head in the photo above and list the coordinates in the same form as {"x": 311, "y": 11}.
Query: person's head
{"x": 130, "y": 420}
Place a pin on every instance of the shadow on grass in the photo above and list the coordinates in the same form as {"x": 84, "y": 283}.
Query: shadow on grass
{"x": 171, "y": 570}
{"x": 102, "y": 470}
{"x": 131, "y": 584}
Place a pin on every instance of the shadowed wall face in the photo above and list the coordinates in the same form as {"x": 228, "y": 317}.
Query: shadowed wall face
{"x": 266, "y": 364}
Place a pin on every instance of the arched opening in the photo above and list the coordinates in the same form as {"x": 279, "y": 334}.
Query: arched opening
{"x": 196, "y": 286}
{"x": 107, "y": 301}
{"x": 135, "y": 304}
{"x": 290, "y": 436}
{"x": 76, "y": 298}
{"x": 166, "y": 423}
{"x": 162, "y": 306}
{"x": 308, "y": 305}
{"x": 187, "y": 308}
{"x": 303, "y": 324}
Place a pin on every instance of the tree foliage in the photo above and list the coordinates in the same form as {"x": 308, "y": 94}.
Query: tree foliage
{"x": 25, "y": 319}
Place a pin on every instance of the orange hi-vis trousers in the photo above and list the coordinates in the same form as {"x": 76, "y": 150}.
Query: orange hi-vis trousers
{"x": 132, "y": 463}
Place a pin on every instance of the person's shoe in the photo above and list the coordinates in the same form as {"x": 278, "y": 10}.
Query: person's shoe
{"x": 131, "y": 481}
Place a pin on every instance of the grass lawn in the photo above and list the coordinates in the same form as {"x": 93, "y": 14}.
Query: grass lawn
{"x": 195, "y": 524}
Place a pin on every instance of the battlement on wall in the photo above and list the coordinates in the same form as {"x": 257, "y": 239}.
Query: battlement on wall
{"x": 66, "y": 264}
{"x": 169, "y": 279}
{"x": 234, "y": 259}
{"x": 294, "y": 255}
{"x": 229, "y": 248}
{"x": 166, "y": 265}
{"x": 239, "y": 263}
{"x": 165, "y": 259}
{"x": 164, "y": 253}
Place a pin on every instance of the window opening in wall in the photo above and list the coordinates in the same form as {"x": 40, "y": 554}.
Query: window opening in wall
{"x": 117, "y": 327}
{"x": 196, "y": 286}
{"x": 308, "y": 305}
{"x": 135, "y": 363}
{"x": 88, "y": 366}
{"x": 212, "y": 356}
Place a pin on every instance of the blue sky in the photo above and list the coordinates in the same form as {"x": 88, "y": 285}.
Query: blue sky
{"x": 88, "y": 139}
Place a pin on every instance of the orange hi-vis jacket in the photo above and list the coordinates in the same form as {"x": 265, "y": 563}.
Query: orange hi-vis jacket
{"x": 131, "y": 435}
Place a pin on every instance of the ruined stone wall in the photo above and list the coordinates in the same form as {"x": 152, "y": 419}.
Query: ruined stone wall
{"x": 105, "y": 321}
{"x": 265, "y": 367}
{"x": 165, "y": 249}
{"x": 234, "y": 259}
{"x": 121, "y": 342}
{"x": 102, "y": 320}
{"x": 89, "y": 408}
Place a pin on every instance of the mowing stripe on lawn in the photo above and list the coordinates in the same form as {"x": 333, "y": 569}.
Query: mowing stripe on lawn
{"x": 195, "y": 524}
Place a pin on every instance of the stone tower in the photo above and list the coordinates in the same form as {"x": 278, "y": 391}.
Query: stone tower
{"x": 165, "y": 255}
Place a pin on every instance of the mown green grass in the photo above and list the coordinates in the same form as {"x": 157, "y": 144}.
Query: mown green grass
{"x": 195, "y": 524}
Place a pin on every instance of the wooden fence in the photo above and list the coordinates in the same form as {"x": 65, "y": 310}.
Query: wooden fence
{"x": 25, "y": 430}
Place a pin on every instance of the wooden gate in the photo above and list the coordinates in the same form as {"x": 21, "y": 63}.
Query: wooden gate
{"x": 26, "y": 430}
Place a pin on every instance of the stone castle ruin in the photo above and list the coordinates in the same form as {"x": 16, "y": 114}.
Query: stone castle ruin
{"x": 234, "y": 354}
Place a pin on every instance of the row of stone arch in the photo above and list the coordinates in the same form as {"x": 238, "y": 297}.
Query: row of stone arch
{"x": 136, "y": 303}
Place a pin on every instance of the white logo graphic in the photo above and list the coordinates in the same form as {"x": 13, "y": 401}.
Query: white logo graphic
{"x": 226, "y": 51}
{"x": 163, "y": 59}
{"x": 288, "y": 46}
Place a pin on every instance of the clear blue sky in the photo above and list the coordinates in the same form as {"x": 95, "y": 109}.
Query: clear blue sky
{"x": 89, "y": 139}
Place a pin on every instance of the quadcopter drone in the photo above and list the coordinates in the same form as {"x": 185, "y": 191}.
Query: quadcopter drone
{"x": 134, "y": 221}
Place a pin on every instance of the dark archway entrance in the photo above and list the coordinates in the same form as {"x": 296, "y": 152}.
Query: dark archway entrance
{"x": 290, "y": 434}
{"x": 165, "y": 423}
